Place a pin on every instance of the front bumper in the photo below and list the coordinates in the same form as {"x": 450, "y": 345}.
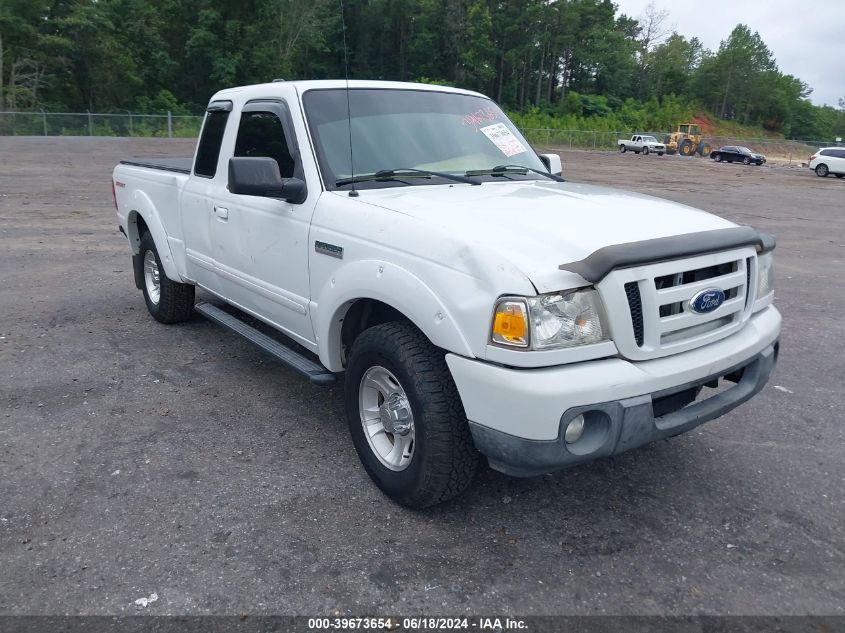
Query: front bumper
{"x": 518, "y": 417}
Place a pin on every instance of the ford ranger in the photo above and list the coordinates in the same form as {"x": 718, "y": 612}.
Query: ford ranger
{"x": 408, "y": 238}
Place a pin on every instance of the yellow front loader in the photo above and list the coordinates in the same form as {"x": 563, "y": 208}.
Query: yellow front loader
{"x": 686, "y": 141}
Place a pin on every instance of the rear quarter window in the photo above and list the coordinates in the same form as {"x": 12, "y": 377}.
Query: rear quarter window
{"x": 208, "y": 151}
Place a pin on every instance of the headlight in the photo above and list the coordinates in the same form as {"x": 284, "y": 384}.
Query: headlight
{"x": 765, "y": 274}
{"x": 550, "y": 321}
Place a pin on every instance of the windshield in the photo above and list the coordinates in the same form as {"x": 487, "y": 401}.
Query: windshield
{"x": 745, "y": 150}
{"x": 426, "y": 130}
{"x": 649, "y": 139}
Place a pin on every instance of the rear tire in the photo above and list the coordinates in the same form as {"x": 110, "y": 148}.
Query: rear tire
{"x": 718, "y": 158}
{"x": 623, "y": 149}
{"x": 822, "y": 170}
{"x": 168, "y": 301}
{"x": 646, "y": 151}
{"x": 441, "y": 460}
{"x": 746, "y": 161}
{"x": 840, "y": 175}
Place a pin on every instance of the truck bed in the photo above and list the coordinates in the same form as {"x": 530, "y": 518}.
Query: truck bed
{"x": 178, "y": 165}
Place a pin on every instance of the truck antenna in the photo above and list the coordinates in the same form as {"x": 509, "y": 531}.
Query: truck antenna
{"x": 352, "y": 192}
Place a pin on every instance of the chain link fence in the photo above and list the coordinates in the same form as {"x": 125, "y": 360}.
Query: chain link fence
{"x": 782, "y": 149}
{"x": 785, "y": 150}
{"x": 182, "y": 126}
{"x": 94, "y": 124}
{"x": 578, "y": 139}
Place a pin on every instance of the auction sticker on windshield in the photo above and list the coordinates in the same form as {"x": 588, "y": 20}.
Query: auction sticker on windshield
{"x": 504, "y": 139}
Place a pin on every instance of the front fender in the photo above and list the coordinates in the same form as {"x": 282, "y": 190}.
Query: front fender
{"x": 142, "y": 206}
{"x": 390, "y": 284}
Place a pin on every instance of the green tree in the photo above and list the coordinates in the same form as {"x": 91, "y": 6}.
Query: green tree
{"x": 729, "y": 81}
{"x": 672, "y": 65}
{"x": 23, "y": 60}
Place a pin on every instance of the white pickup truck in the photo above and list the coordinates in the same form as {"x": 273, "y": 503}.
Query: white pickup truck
{"x": 408, "y": 238}
{"x": 640, "y": 143}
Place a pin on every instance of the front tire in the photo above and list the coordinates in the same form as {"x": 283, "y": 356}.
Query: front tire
{"x": 646, "y": 151}
{"x": 685, "y": 148}
{"x": 822, "y": 170}
{"x": 746, "y": 161}
{"x": 840, "y": 175}
{"x": 406, "y": 418}
{"x": 168, "y": 301}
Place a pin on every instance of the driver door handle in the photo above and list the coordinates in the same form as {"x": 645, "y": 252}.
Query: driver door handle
{"x": 221, "y": 213}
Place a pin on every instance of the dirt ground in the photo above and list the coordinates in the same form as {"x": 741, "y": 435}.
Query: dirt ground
{"x": 137, "y": 458}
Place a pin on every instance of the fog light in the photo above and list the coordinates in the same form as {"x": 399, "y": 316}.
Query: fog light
{"x": 574, "y": 430}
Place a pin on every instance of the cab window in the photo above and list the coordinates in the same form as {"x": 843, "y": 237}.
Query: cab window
{"x": 209, "y": 146}
{"x": 261, "y": 134}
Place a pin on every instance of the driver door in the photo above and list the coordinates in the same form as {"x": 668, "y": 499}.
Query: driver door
{"x": 260, "y": 244}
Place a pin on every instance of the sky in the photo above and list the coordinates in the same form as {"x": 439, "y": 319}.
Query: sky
{"x": 806, "y": 38}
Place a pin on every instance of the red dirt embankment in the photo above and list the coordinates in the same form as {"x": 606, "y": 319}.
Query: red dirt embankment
{"x": 704, "y": 123}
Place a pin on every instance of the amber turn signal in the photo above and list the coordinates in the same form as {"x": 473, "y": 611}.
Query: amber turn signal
{"x": 510, "y": 324}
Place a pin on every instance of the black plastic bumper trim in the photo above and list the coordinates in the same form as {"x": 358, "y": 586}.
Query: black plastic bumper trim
{"x": 630, "y": 423}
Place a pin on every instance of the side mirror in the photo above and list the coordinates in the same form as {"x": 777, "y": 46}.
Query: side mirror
{"x": 553, "y": 163}
{"x": 259, "y": 176}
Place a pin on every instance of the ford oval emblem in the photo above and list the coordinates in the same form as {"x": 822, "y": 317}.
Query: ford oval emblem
{"x": 707, "y": 300}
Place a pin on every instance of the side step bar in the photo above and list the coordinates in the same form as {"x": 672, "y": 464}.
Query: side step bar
{"x": 316, "y": 373}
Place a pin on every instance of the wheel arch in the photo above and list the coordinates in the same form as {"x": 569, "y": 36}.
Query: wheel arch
{"x": 367, "y": 293}
{"x": 144, "y": 217}
{"x": 136, "y": 227}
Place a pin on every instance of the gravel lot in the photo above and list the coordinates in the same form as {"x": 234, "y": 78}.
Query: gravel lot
{"x": 137, "y": 458}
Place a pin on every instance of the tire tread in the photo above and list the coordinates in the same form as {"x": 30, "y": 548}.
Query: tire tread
{"x": 451, "y": 457}
{"x": 176, "y": 303}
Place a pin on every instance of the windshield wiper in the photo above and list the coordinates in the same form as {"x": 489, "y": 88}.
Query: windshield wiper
{"x": 399, "y": 174}
{"x": 503, "y": 170}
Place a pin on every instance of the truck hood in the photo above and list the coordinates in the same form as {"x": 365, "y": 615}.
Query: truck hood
{"x": 539, "y": 225}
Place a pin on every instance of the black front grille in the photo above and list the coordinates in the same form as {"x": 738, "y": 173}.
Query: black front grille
{"x": 747, "y": 280}
{"x": 691, "y": 276}
{"x": 632, "y": 291}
